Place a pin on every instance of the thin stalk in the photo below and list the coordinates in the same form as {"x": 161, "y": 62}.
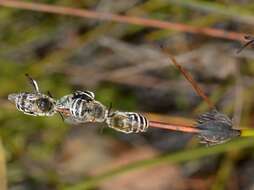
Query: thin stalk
{"x": 174, "y": 127}
{"x": 236, "y": 12}
{"x": 193, "y": 83}
{"x": 122, "y": 19}
{"x": 247, "y": 132}
{"x": 224, "y": 173}
{"x": 182, "y": 156}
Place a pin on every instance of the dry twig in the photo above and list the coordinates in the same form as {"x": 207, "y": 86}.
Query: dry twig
{"x": 122, "y": 19}
{"x": 193, "y": 83}
{"x": 174, "y": 127}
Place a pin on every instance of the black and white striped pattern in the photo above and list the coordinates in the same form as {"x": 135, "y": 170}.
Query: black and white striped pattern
{"x": 138, "y": 122}
{"x": 84, "y": 95}
{"x": 82, "y": 107}
{"x": 30, "y": 103}
{"x": 23, "y": 102}
{"x": 127, "y": 122}
{"x": 79, "y": 109}
{"x": 33, "y": 103}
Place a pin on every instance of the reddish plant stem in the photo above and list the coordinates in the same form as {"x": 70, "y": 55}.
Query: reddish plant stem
{"x": 193, "y": 83}
{"x": 156, "y": 124}
{"x": 123, "y": 19}
{"x": 174, "y": 127}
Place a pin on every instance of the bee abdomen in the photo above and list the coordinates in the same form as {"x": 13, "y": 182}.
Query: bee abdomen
{"x": 138, "y": 122}
{"x": 78, "y": 108}
{"x": 127, "y": 122}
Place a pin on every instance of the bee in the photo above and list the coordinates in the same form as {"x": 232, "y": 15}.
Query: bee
{"x": 127, "y": 122}
{"x": 33, "y": 103}
{"x": 81, "y": 107}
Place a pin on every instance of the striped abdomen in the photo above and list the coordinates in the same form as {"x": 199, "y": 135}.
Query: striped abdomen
{"x": 84, "y": 111}
{"x": 128, "y": 122}
{"x": 35, "y": 104}
{"x": 24, "y": 103}
{"x": 79, "y": 109}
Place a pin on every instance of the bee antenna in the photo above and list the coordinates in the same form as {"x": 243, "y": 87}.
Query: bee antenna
{"x": 32, "y": 82}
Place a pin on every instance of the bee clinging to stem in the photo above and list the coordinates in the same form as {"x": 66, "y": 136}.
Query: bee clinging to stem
{"x": 127, "y": 122}
{"x": 81, "y": 107}
{"x": 33, "y": 103}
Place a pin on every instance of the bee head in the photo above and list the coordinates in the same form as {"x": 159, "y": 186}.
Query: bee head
{"x": 44, "y": 104}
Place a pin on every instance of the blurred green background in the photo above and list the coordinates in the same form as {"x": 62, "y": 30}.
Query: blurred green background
{"x": 124, "y": 64}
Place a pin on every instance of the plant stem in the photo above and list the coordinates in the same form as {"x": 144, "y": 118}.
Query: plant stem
{"x": 123, "y": 19}
{"x": 247, "y": 132}
{"x": 193, "y": 83}
{"x": 174, "y": 127}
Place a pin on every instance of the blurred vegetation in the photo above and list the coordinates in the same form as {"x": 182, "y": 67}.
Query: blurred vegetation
{"x": 122, "y": 64}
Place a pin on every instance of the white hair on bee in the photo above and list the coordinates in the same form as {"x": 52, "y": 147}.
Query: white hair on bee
{"x": 33, "y": 103}
{"x": 81, "y": 107}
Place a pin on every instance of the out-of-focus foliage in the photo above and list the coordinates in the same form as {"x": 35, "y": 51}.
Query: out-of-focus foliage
{"x": 123, "y": 64}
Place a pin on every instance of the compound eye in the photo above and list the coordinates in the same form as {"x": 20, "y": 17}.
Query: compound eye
{"x": 44, "y": 104}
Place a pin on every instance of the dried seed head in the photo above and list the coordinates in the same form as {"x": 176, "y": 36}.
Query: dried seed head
{"x": 215, "y": 128}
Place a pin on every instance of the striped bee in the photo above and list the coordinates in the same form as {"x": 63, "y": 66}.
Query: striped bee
{"x": 127, "y": 122}
{"x": 33, "y": 103}
{"x": 81, "y": 107}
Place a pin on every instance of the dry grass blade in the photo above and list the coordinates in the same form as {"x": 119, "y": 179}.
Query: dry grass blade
{"x": 193, "y": 83}
{"x": 122, "y": 19}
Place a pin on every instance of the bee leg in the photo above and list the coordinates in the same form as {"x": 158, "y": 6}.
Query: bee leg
{"x": 61, "y": 116}
{"x": 49, "y": 94}
{"x": 110, "y": 114}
